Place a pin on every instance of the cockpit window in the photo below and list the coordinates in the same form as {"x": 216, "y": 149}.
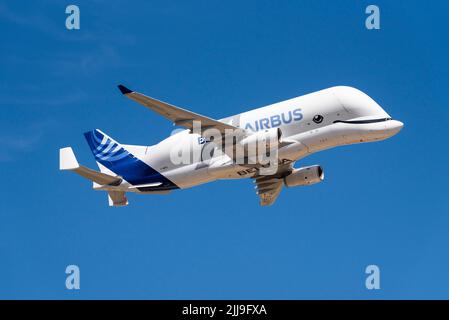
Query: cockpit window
{"x": 362, "y": 121}
{"x": 318, "y": 118}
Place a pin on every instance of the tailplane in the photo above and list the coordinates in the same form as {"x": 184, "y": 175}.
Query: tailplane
{"x": 122, "y": 168}
{"x": 117, "y": 199}
{"x": 68, "y": 161}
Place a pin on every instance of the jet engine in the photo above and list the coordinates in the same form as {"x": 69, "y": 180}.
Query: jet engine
{"x": 304, "y": 176}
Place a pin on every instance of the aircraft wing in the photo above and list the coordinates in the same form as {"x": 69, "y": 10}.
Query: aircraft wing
{"x": 268, "y": 188}
{"x": 178, "y": 116}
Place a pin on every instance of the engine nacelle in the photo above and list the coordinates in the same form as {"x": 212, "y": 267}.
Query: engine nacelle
{"x": 304, "y": 176}
{"x": 268, "y": 137}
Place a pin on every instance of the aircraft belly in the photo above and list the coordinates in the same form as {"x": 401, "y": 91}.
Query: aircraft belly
{"x": 189, "y": 175}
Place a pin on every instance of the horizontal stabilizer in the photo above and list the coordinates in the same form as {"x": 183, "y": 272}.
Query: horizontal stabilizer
{"x": 67, "y": 161}
{"x": 117, "y": 199}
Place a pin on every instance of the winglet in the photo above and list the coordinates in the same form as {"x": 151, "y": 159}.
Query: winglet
{"x": 67, "y": 159}
{"x": 123, "y": 89}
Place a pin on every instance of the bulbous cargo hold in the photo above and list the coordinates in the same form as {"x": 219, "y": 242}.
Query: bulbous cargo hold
{"x": 262, "y": 144}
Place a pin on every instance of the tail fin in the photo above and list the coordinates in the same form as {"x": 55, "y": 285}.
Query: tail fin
{"x": 114, "y": 158}
{"x": 107, "y": 152}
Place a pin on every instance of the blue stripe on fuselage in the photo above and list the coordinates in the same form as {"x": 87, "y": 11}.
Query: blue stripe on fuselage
{"x": 130, "y": 168}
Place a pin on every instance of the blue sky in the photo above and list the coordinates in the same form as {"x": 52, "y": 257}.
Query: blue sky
{"x": 382, "y": 203}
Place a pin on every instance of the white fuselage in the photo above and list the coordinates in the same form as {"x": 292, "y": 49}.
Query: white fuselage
{"x": 313, "y": 122}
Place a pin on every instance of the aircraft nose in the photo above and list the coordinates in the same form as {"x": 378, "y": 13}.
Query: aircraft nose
{"x": 395, "y": 126}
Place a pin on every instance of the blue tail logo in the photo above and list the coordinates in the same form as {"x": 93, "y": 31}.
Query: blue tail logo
{"x": 104, "y": 148}
{"x": 117, "y": 159}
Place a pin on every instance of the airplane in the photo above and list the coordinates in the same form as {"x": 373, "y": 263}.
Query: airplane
{"x": 297, "y": 127}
